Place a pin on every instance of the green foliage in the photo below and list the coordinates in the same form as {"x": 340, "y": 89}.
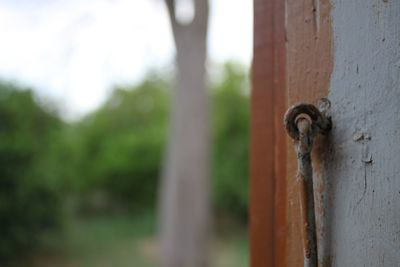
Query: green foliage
{"x": 111, "y": 159}
{"x": 117, "y": 150}
{"x": 29, "y": 199}
{"x": 231, "y": 142}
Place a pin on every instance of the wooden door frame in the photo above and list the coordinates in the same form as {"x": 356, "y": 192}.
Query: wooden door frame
{"x": 268, "y": 142}
{"x": 292, "y": 63}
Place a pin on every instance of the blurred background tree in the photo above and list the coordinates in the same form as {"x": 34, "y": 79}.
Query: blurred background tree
{"x": 185, "y": 216}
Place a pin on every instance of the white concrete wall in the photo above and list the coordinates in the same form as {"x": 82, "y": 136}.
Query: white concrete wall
{"x": 363, "y": 176}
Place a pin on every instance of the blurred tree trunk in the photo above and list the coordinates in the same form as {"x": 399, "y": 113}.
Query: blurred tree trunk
{"x": 185, "y": 211}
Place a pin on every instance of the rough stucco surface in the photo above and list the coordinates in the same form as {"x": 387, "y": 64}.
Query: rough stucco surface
{"x": 363, "y": 176}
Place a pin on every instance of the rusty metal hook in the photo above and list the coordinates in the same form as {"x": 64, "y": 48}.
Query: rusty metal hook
{"x": 321, "y": 121}
{"x": 303, "y": 122}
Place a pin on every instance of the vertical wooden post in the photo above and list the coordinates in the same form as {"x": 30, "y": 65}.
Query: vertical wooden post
{"x": 292, "y": 63}
{"x": 268, "y": 141}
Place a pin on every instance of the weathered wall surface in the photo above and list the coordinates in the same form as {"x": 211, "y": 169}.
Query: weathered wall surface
{"x": 348, "y": 50}
{"x": 363, "y": 165}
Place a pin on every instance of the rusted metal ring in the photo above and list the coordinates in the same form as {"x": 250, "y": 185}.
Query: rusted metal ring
{"x": 302, "y": 108}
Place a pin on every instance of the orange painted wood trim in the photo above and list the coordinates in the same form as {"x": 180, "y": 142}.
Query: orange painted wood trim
{"x": 292, "y": 63}
{"x": 309, "y": 64}
{"x": 268, "y": 140}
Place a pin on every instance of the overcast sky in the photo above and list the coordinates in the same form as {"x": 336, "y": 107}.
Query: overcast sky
{"x": 74, "y": 51}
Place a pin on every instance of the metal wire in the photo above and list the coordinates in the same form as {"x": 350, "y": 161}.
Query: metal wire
{"x": 303, "y": 122}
